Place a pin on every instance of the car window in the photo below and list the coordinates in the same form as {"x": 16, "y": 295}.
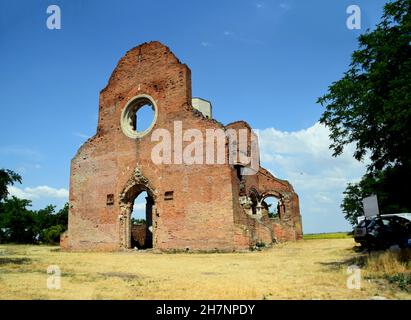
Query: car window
{"x": 402, "y": 222}
{"x": 371, "y": 223}
{"x": 386, "y": 222}
{"x": 365, "y": 222}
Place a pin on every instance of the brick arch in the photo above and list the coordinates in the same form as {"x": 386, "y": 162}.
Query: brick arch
{"x": 134, "y": 186}
{"x": 271, "y": 193}
{"x": 252, "y": 191}
{"x": 282, "y": 200}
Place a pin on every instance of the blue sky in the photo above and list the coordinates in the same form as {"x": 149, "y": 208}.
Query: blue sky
{"x": 262, "y": 61}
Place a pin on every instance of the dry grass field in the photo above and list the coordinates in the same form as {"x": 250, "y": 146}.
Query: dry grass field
{"x": 308, "y": 269}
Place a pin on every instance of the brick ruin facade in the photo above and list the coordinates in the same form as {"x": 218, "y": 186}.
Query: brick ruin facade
{"x": 208, "y": 207}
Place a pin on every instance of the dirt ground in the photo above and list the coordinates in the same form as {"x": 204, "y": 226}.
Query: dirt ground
{"x": 308, "y": 269}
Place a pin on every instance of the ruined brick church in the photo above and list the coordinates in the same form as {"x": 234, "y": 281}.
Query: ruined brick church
{"x": 195, "y": 207}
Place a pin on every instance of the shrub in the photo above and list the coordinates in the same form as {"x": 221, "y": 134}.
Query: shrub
{"x": 51, "y": 235}
{"x": 403, "y": 280}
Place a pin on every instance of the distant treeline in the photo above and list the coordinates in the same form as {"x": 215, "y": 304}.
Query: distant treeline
{"x": 19, "y": 224}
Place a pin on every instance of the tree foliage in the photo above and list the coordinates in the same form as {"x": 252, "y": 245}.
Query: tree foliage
{"x": 371, "y": 107}
{"x": 392, "y": 196}
{"x": 19, "y": 224}
{"x": 7, "y": 178}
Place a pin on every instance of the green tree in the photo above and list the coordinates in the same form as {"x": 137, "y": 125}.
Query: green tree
{"x": 44, "y": 219}
{"x": 370, "y": 107}
{"x": 62, "y": 217}
{"x": 392, "y": 196}
{"x": 352, "y": 203}
{"x": 137, "y": 221}
{"x": 50, "y": 224}
{"x": 7, "y": 178}
{"x": 52, "y": 234}
{"x": 17, "y": 222}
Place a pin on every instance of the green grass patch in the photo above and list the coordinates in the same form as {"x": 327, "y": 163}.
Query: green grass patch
{"x": 403, "y": 280}
{"x": 332, "y": 235}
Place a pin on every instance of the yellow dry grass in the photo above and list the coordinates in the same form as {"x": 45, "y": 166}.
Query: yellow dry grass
{"x": 388, "y": 263}
{"x": 313, "y": 269}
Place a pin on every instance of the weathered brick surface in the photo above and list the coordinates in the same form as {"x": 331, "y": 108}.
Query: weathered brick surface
{"x": 138, "y": 235}
{"x": 205, "y": 212}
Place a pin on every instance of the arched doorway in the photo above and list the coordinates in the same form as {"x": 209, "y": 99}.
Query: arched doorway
{"x": 137, "y": 205}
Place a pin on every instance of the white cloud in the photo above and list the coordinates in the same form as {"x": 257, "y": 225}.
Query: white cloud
{"x": 27, "y": 166}
{"x": 81, "y": 135}
{"x": 304, "y": 159}
{"x": 139, "y": 206}
{"x": 38, "y": 192}
{"x": 20, "y": 152}
{"x": 205, "y": 43}
{"x": 284, "y": 6}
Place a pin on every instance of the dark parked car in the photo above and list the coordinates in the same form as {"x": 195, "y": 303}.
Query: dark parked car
{"x": 383, "y": 232}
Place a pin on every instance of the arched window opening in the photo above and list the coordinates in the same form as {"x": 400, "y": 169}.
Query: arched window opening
{"x": 271, "y": 207}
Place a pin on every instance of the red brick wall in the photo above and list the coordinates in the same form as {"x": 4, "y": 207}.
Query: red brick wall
{"x": 204, "y": 214}
{"x": 139, "y": 234}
